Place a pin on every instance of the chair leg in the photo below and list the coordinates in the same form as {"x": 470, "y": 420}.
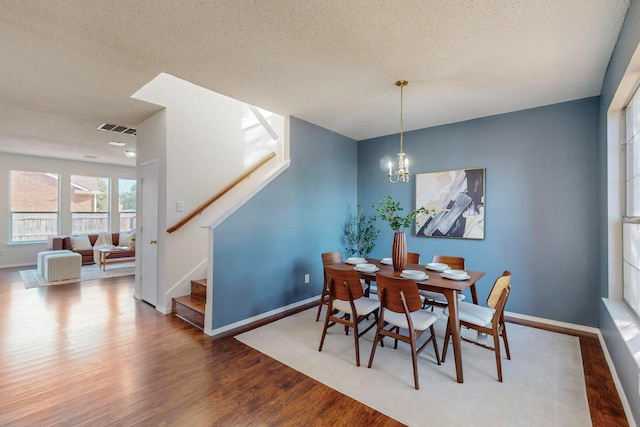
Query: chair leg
{"x": 506, "y": 342}
{"x": 326, "y": 325}
{"x": 397, "y": 331}
{"x": 447, "y": 334}
{"x": 321, "y": 303}
{"x": 414, "y": 360}
{"x": 496, "y": 344}
{"x": 435, "y": 344}
{"x": 347, "y": 317}
{"x": 375, "y": 342}
{"x": 356, "y": 338}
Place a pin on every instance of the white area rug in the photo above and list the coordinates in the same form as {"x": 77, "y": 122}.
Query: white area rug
{"x": 32, "y": 279}
{"x": 543, "y": 382}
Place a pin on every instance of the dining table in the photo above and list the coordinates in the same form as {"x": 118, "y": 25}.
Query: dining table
{"x": 434, "y": 282}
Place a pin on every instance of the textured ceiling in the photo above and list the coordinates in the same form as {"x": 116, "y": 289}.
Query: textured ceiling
{"x": 69, "y": 65}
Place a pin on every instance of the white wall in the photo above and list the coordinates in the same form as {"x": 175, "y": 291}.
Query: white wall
{"x": 206, "y": 147}
{"x": 21, "y": 254}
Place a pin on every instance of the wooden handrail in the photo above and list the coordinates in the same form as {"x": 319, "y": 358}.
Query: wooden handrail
{"x": 224, "y": 191}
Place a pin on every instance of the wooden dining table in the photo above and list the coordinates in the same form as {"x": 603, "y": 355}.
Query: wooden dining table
{"x": 435, "y": 283}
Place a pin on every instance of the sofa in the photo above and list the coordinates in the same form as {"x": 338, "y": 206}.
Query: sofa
{"x": 84, "y": 246}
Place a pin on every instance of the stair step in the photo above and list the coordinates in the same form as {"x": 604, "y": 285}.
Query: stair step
{"x": 199, "y": 288}
{"x": 189, "y": 308}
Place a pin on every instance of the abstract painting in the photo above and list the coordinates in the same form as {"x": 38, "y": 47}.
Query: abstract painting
{"x": 457, "y": 197}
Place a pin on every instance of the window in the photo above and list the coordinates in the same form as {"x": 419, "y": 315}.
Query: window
{"x": 631, "y": 220}
{"x": 127, "y": 204}
{"x": 34, "y": 206}
{"x": 89, "y": 204}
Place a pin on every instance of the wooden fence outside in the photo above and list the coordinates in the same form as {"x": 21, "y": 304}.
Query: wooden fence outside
{"x": 29, "y": 227}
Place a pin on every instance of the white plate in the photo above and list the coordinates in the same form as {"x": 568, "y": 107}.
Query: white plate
{"x": 366, "y": 268}
{"x": 355, "y": 261}
{"x": 373, "y": 270}
{"x": 437, "y": 266}
{"x": 455, "y": 272}
{"x": 386, "y": 261}
{"x": 414, "y": 274}
{"x": 455, "y": 276}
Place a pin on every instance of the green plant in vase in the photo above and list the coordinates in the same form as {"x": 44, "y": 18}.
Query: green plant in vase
{"x": 360, "y": 233}
{"x": 391, "y": 212}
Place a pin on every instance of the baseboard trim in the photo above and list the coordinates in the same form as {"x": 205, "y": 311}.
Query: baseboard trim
{"x": 550, "y": 325}
{"x": 261, "y": 319}
{"x": 273, "y": 315}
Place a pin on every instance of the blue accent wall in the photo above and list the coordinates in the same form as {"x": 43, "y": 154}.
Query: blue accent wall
{"x": 263, "y": 250}
{"x": 542, "y": 202}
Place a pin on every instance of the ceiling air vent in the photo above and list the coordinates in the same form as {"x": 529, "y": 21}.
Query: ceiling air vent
{"x": 117, "y": 128}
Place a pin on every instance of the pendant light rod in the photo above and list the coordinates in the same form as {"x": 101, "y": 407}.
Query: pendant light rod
{"x": 401, "y": 84}
{"x": 402, "y": 174}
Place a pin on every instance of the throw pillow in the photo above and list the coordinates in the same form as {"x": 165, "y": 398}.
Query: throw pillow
{"x": 123, "y": 238}
{"x": 79, "y": 243}
{"x": 103, "y": 240}
{"x": 132, "y": 240}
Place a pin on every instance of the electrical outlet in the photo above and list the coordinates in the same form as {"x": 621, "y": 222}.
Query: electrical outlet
{"x": 179, "y": 206}
{"x": 306, "y": 278}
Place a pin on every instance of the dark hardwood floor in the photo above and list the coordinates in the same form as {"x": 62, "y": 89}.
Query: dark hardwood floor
{"x": 91, "y": 354}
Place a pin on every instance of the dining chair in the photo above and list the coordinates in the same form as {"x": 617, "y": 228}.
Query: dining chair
{"x": 348, "y": 305}
{"x": 401, "y": 308}
{"x": 436, "y": 299}
{"x": 413, "y": 258}
{"x": 488, "y": 320}
{"x": 328, "y": 258}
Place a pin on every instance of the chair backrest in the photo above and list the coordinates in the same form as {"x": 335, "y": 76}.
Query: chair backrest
{"x": 501, "y": 283}
{"x": 454, "y": 262}
{"x": 329, "y": 258}
{"x": 389, "y": 289}
{"x": 413, "y": 258}
{"x": 344, "y": 284}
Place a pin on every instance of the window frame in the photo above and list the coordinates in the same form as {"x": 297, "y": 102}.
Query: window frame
{"x": 73, "y": 213}
{"x": 12, "y": 213}
{"x": 630, "y": 221}
{"x": 123, "y": 212}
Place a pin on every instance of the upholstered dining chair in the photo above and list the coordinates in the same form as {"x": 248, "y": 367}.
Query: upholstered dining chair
{"x": 401, "y": 308}
{"x": 488, "y": 320}
{"x": 328, "y": 258}
{"x": 436, "y": 299}
{"x": 348, "y": 305}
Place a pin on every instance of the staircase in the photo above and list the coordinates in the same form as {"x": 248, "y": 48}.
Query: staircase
{"x": 190, "y": 308}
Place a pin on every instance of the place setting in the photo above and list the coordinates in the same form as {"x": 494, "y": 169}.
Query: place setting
{"x": 455, "y": 275}
{"x": 437, "y": 266}
{"x": 366, "y": 268}
{"x": 414, "y": 274}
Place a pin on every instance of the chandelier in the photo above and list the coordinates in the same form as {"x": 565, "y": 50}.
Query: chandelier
{"x": 402, "y": 174}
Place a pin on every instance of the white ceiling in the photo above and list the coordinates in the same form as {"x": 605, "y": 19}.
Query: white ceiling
{"x": 66, "y": 66}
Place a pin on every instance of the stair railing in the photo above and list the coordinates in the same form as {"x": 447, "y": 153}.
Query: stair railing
{"x": 221, "y": 193}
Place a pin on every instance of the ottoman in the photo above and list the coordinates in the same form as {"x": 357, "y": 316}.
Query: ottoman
{"x": 43, "y": 254}
{"x": 61, "y": 266}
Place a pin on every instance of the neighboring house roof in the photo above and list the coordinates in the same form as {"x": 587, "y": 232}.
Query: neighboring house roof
{"x": 85, "y": 184}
